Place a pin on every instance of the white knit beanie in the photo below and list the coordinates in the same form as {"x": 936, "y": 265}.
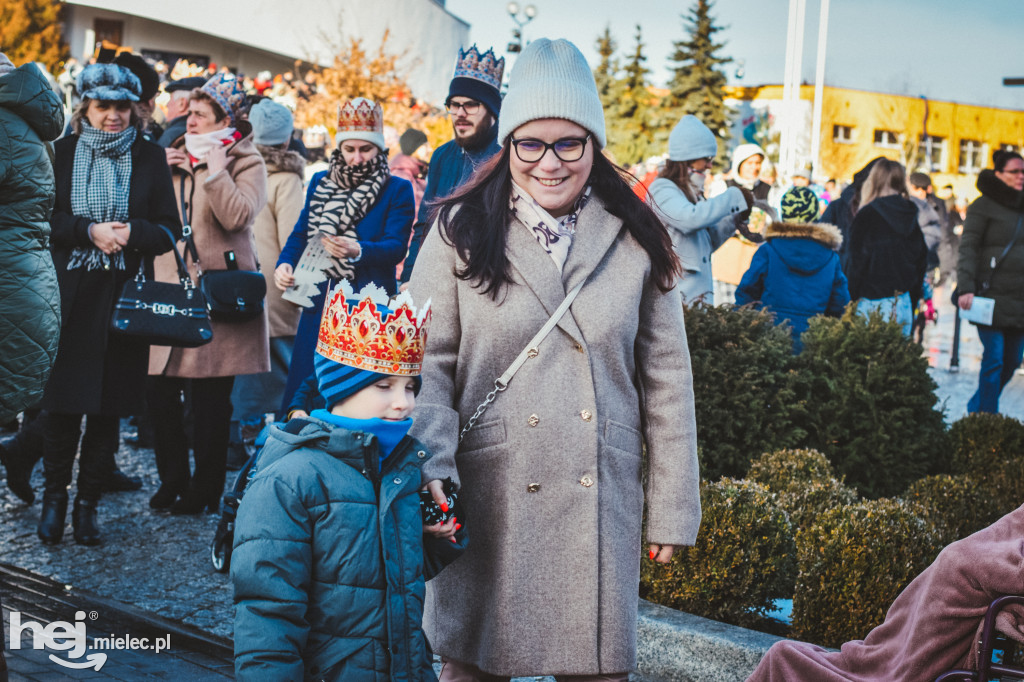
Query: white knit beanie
{"x": 744, "y": 152}
{"x": 690, "y": 140}
{"x": 551, "y": 79}
{"x": 272, "y": 123}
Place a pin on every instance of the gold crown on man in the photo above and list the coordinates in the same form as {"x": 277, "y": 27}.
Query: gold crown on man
{"x": 360, "y": 114}
{"x": 486, "y": 67}
{"x": 371, "y": 332}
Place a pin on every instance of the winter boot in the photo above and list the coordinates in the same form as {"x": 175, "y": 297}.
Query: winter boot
{"x": 51, "y": 520}
{"x": 84, "y": 522}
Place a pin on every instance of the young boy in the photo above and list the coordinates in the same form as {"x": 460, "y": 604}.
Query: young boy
{"x": 328, "y": 563}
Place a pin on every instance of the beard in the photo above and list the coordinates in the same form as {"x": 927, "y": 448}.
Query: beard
{"x": 478, "y": 138}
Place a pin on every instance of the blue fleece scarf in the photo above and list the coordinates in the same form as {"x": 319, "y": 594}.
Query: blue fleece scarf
{"x": 389, "y": 433}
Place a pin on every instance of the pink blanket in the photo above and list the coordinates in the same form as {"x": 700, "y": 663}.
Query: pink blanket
{"x": 931, "y": 626}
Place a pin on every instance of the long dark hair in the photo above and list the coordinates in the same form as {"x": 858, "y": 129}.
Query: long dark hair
{"x": 479, "y": 228}
{"x": 679, "y": 173}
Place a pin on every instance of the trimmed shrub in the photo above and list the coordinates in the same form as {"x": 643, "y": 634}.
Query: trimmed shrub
{"x": 954, "y": 505}
{"x": 803, "y": 482}
{"x": 745, "y": 386}
{"x": 990, "y": 449}
{"x": 853, "y": 562}
{"x": 743, "y": 558}
{"x": 871, "y": 408}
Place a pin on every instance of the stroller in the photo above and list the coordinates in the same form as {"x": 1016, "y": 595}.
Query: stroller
{"x": 224, "y": 536}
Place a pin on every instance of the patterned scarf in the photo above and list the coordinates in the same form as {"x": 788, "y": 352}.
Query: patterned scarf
{"x": 341, "y": 199}
{"x": 554, "y": 236}
{"x": 100, "y": 185}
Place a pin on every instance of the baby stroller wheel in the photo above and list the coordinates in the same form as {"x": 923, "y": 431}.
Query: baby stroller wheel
{"x": 220, "y": 553}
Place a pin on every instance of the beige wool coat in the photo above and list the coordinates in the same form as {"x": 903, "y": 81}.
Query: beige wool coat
{"x": 273, "y": 225}
{"x": 551, "y": 475}
{"x": 221, "y": 210}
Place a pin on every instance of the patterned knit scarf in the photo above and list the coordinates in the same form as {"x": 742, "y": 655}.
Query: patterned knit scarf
{"x": 554, "y": 235}
{"x": 341, "y": 199}
{"x": 100, "y": 185}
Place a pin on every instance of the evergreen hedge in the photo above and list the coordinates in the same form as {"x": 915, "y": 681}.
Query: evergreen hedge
{"x": 803, "y": 482}
{"x": 871, "y": 407}
{"x": 955, "y": 505}
{"x": 743, "y": 558}
{"x": 853, "y": 562}
{"x": 990, "y": 449}
{"x": 746, "y": 385}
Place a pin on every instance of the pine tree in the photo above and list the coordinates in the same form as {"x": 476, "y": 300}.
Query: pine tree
{"x": 30, "y": 32}
{"x": 630, "y": 110}
{"x": 696, "y": 86}
{"x": 607, "y": 70}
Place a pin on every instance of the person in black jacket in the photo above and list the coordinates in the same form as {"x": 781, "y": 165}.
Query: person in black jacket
{"x": 841, "y": 209}
{"x": 114, "y": 200}
{"x": 888, "y": 255}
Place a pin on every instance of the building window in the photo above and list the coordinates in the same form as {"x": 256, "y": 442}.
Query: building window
{"x": 887, "y": 139}
{"x": 842, "y": 134}
{"x": 972, "y": 156}
{"x": 932, "y": 153}
{"x": 1015, "y": 148}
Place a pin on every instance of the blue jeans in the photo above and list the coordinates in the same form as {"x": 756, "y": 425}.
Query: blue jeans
{"x": 896, "y": 308}
{"x": 1004, "y": 349}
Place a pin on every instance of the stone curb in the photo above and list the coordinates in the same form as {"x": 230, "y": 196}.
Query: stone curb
{"x": 679, "y": 647}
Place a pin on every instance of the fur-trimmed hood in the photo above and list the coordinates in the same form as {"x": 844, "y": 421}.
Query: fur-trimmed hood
{"x": 823, "y": 233}
{"x": 998, "y": 191}
{"x": 281, "y": 160}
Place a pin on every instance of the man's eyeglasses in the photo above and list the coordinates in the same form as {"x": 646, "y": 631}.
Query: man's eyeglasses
{"x": 1015, "y": 171}
{"x": 567, "y": 149}
{"x": 470, "y": 107}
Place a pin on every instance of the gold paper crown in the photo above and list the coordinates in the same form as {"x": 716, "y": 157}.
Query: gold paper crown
{"x": 360, "y": 114}
{"x": 369, "y": 332}
{"x": 484, "y": 67}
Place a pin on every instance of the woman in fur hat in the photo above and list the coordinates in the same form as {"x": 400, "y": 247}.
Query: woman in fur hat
{"x": 698, "y": 225}
{"x": 796, "y": 272}
{"x": 551, "y": 473}
{"x": 114, "y": 199}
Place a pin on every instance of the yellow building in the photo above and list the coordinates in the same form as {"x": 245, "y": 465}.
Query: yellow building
{"x": 948, "y": 140}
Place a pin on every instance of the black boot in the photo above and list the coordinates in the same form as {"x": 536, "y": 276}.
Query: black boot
{"x": 166, "y": 496}
{"x": 195, "y": 501}
{"x": 84, "y": 522}
{"x": 19, "y": 473}
{"x": 119, "y": 482}
{"x": 51, "y": 520}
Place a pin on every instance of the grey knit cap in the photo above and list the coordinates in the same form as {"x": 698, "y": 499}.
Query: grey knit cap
{"x": 272, "y": 123}
{"x": 6, "y": 65}
{"x": 690, "y": 140}
{"x": 551, "y": 79}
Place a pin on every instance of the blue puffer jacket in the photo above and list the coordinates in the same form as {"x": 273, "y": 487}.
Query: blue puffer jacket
{"x": 328, "y": 572}
{"x": 796, "y": 274}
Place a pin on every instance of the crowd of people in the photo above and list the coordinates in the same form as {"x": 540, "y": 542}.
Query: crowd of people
{"x": 520, "y": 246}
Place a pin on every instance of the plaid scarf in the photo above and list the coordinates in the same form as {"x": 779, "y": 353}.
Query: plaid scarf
{"x": 554, "y": 236}
{"x": 341, "y": 199}
{"x": 100, "y": 185}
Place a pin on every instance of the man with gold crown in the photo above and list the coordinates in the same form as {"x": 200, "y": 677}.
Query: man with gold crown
{"x": 331, "y": 548}
{"x": 474, "y": 101}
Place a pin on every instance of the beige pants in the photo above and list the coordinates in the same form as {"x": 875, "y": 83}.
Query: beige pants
{"x": 457, "y": 671}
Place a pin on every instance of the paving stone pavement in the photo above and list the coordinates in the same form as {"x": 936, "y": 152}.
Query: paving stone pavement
{"x": 160, "y": 563}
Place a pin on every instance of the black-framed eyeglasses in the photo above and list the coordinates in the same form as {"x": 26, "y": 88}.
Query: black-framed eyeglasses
{"x": 567, "y": 149}
{"x": 469, "y": 106}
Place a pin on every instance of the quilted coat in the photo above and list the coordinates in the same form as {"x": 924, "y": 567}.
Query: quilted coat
{"x": 328, "y": 564}
{"x": 30, "y": 116}
{"x": 551, "y": 474}
{"x": 221, "y": 210}
{"x": 796, "y": 274}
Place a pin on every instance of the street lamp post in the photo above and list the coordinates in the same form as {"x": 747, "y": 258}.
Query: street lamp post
{"x": 522, "y": 19}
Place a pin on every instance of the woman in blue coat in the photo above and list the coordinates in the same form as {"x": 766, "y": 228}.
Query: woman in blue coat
{"x": 361, "y": 217}
{"x": 796, "y": 273}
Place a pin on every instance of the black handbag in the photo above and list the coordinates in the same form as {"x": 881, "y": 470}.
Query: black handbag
{"x": 162, "y": 313}
{"x": 232, "y": 295}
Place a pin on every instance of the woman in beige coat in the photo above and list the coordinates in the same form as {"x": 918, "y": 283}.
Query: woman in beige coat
{"x": 221, "y": 184}
{"x": 550, "y": 475}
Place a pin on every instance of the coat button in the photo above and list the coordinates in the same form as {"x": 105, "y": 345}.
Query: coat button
{"x": 586, "y": 481}
{"x": 397, "y": 481}
{"x": 532, "y": 353}
{"x": 579, "y": 348}
{"x": 533, "y": 420}
{"x": 587, "y": 416}
{"x": 533, "y": 487}
{"x": 421, "y": 454}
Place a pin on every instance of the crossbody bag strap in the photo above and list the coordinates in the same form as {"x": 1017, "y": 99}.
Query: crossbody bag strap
{"x": 996, "y": 262}
{"x": 530, "y": 351}
{"x": 186, "y": 227}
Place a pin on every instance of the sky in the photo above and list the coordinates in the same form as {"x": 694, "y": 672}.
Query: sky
{"x": 957, "y": 50}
